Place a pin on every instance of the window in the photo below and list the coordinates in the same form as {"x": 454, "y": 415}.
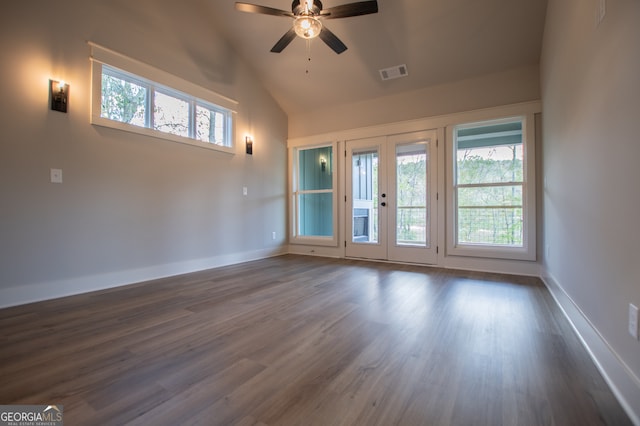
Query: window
{"x": 128, "y": 96}
{"x": 313, "y": 195}
{"x": 492, "y": 190}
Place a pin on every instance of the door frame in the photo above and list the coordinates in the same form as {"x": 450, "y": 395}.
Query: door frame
{"x": 369, "y": 250}
{"x": 386, "y": 248}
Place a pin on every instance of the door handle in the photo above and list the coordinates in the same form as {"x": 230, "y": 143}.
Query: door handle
{"x": 383, "y": 195}
{"x": 383, "y": 204}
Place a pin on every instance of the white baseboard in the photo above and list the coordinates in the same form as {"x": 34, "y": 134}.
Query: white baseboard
{"x": 322, "y": 251}
{"x": 20, "y": 295}
{"x": 622, "y": 381}
{"x": 497, "y": 266}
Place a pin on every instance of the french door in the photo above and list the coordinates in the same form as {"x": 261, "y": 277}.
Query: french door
{"x": 391, "y": 198}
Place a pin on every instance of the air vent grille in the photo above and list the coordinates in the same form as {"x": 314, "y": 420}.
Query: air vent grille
{"x": 394, "y": 72}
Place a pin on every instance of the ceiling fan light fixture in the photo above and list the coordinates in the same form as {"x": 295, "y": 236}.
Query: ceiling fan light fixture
{"x": 307, "y": 27}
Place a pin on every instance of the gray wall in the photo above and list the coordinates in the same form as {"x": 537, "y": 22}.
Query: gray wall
{"x": 590, "y": 80}
{"x": 131, "y": 207}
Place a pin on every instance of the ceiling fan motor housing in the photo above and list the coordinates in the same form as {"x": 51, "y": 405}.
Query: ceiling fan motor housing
{"x": 300, "y": 9}
{"x": 307, "y": 15}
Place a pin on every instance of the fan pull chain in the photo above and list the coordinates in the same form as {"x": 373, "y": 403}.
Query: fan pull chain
{"x": 308, "y": 55}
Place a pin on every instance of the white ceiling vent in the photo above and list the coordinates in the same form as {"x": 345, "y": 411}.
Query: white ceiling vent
{"x": 394, "y": 72}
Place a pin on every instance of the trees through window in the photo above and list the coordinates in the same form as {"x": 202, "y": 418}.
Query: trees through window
{"x": 136, "y": 101}
{"x": 489, "y": 184}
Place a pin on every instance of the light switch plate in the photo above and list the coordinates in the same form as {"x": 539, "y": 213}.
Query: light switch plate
{"x": 56, "y": 175}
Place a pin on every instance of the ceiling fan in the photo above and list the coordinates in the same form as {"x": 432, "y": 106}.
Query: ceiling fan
{"x": 307, "y": 20}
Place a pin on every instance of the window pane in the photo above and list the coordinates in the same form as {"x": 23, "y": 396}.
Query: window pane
{"x": 171, "y": 115}
{"x": 489, "y": 153}
{"x": 492, "y": 196}
{"x": 209, "y": 125}
{"x": 315, "y": 168}
{"x": 123, "y": 100}
{"x": 411, "y": 213}
{"x": 494, "y": 226}
{"x": 490, "y": 164}
{"x": 315, "y": 215}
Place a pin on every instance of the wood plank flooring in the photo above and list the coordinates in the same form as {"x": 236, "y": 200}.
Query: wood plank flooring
{"x": 297, "y": 340}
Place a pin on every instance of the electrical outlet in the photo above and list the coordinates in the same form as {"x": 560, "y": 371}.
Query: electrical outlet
{"x": 245, "y": 190}
{"x": 633, "y": 320}
{"x": 273, "y": 235}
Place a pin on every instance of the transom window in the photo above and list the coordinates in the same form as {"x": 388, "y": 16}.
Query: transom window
{"x": 129, "y": 99}
{"x": 127, "y": 96}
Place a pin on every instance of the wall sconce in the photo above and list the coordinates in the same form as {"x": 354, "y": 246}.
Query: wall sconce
{"x": 248, "y": 140}
{"x": 59, "y": 95}
{"x": 323, "y": 164}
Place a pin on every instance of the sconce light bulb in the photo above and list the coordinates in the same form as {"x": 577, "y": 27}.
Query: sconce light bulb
{"x": 248, "y": 144}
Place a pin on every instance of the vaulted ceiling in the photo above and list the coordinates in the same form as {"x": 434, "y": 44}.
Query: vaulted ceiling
{"x": 440, "y": 41}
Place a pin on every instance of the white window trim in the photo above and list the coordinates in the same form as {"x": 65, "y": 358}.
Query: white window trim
{"x": 167, "y": 82}
{"x": 294, "y": 238}
{"x": 528, "y": 250}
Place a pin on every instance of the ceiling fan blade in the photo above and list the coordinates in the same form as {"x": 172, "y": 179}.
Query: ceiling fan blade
{"x": 332, "y": 41}
{"x": 351, "y": 9}
{"x": 254, "y": 8}
{"x": 284, "y": 41}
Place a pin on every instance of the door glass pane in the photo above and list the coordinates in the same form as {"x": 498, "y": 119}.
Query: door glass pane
{"x": 411, "y": 194}
{"x": 365, "y": 197}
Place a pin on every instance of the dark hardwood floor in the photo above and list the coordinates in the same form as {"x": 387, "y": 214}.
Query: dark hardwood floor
{"x": 297, "y": 340}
